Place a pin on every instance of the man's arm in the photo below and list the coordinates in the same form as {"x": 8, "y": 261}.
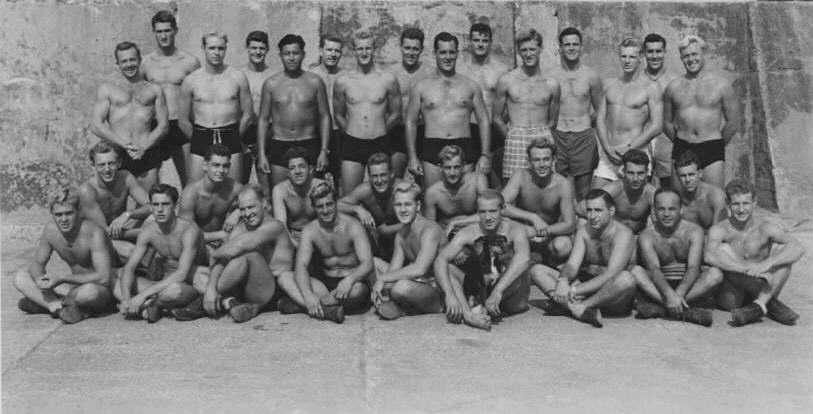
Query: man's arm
{"x": 278, "y": 203}
{"x": 693, "y": 262}
{"x": 718, "y": 205}
{"x": 411, "y": 127}
{"x": 186, "y": 205}
{"x": 262, "y": 125}
{"x": 654, "y": 125}
{"x": 790, "y": 252}
{"x": 340, "y": 103}
{"x": 430, "y": 209}
{"x": 430, "y": 241}
{"x": 364, "y": 253}
{"x": 553, "y": 105}
{"x": 393, "y": 102}
{"x": 161, "y": 118}
{"x": 190, "y": 243}
{"x": 304, "y": 254}
{"x": 619, "y": 259}
{"x": 90, "y": 207}
{"x": 567, "y": 215}
{"x": 128, "y": 273}
{"x": 499, "y": 104}
{"x": 731, "y": 113}
{"x": 246, "y": 103}
{"x": 570, "y": 269}
{"x": 441, "y": 266}
{"x": 653, "y": 263}
{"x": 100, "y": 257}
{"x": 715, "y": 255}
{"x": 41, "y": 256}
{"x": 324, "y": 122}
{"x": 669, "y": 128}
{"x": 185, "y": 107}
{"x": 601, "y": 127}
{"x": 249, "y": 241}
{"x": 99, "y": 124}
{"x": 596, "y": 94}
{"x": 510, "y": 194}
{"x": 352, "y": 203}
{"x": 480, "y": 112}
{"x": 141, "y": 197}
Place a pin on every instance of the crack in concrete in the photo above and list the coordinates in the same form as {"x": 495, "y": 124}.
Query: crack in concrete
{"x": 33, "y": 349}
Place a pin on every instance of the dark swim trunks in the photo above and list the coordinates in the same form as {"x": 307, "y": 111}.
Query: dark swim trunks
{"x": 275, "y": 150}
{"x": 397, "y": 139}
{"x": 175, "y": 137}
{"x": 432, "y": 146}
{"x": 359, "y": 150}
{"x": 152, "y": 158}
{"x": 708, "y": 152}
{"x": 203, "y": 138}
{"x": 576, "y": 152}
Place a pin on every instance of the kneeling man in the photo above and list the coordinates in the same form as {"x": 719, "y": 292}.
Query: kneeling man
{"x": 334, "y": 260}
{"x": 595, "y": 278}
{"x": 743, "y": 248}
{"x": 672, "y": 251}
{"x": 409, "y": 288}
{"x": 498, "y": 283}
{"x": 180, "y": 272}
{"x": 84, "y": 246}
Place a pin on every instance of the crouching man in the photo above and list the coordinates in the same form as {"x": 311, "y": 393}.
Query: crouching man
{"x": 85, "y": 247}
{"x": 179, "y": 272}
{"x": 407, "y": 284}
{"x": 672, "y": 251}
{"x": 494, "y": 281}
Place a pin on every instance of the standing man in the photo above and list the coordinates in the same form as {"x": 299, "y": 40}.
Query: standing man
{"x": 701, "y": 202}
{"x": 595, "y": 278}
{"x": 85, "y": 289}
{"x": 580, "y": 91}
{"x": 486, "y": 72}
{"x": 533, "y": 105}
{"x": 499, "y": 285}
{"x": 290, "y": 199}
{"x": 654, "y": 52}
{"x": 132, "y": 115}
{"x": 408, "y": 73}
{"x": 215, "y": 107}
{"x": 629, "y": 115}
{"x": 295, "y": 103}
{"x": 334, "y": 261}
{"x": 671, "y": 278}
{"x": 367, "y": 104}
{"x": 446, "y": 99}
{"x": 330, "y": 53}
{"x": 167, "y": 67}
{"x": 701, "y": 112}
{"x": 256, "y": 71}
{"x": 756, "y": 257}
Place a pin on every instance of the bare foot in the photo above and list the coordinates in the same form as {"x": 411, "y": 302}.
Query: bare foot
{"x": 477, "y": 320}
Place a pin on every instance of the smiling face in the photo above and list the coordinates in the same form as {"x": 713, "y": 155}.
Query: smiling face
{"x": 298, "y": 171}
{"x": 446, "y": 56}
{"x": 740, "y": 208}
{"x": 380, "y": 177}
{"x": 331, "y": 53}
{"x": 325, "y": 209}
{"x": 599, "y": 214}
{"x": 162, "y": 207}
{"x": 217, "y": 168}
{"x": 128, "y": 62}
{"x": 529, "y": 53}
{"x": 106, "y": 164}
{"x": 65, "y": 216}
{"x": 489, "y": 212}
{"x": 364, "y": 49}
{"x": 667, "y": 210}
{"x": 411, "y": 50}
{"x": 654, "y": 52}
{"x": 164, "y": 34}
{"x": 291, "y": 56}
{"x": 570, "y": 48}
{"x": 256, "y": 52}
{"x": 689, "y": 176}
{"x": 693, "y": 58}
{"x": 406, "y": 206}
{"x": 251, "y": 209}
{"x": 541, "y": 160}
{"x": 451, "y": 170}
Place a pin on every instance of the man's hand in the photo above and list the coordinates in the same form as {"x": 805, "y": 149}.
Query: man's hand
{"x": 574, "y": 295}
{"x": 615, "y": 153}
{"x": 342, "y": 291}
{"x": 231, "y": 221}
{"x": 562, "y": 293}
{"x": 415, "y": 166}
{"x": 54, "y": 307}
{"x": 321, "y": 161}
{"x": 540, "y": 226}
{"x": 493, "y": 303}
{"x": 484, "y": 164}
{"x": 365, "y": 217}
{"x": 674, "y": 304}
{"x": 760, "y": 270}
{"x": 377, "y": 292}
{"x": 116, "y": 228}
{"x": 211, "y": 299}
{"x": 262, "y": 162}
{"x": 454, "y": 311}
{"x": 50, "y": 282}
{"x": 134, "y": 152}
{"x": 314, "y": 306}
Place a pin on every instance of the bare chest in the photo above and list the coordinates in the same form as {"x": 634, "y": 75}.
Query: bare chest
{"x": 630, "y": 96}
{"x": 215, "y": 88}
{"x": 367, "y": 89}
{"x": 697, "y": 93}
{"x": 531, "y": 92}
{"x": 447, "y": 95}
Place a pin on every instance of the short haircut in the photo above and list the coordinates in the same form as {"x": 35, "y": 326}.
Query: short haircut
{"x": 217, "y": 149}
{"x": 219, "y": 35}
{"x": 482, "y": 28}
{"x": 662, "y": 190}
{"x": 687, "y": 158}
{"x": 329, "y": 38}
{"x": 257, "y": 36}
{"x": 630, "y": 42}
{"x": 450, "y": 151}
{"x": 599, "y": 193}
{"x": 321, "y": 190}
{"x": 528, "y": 35}
{"x": 570, "y": 31}
{"x": 165, "y": 189}
{"x": 296, "y": 152}
{"x": 412, "y": 33}
{"x": 164, "y": 16}
{"x": 541, "y": 143}
{"x": 491, "y": 194}
{"x": 363, "y": 35}
{"x": 407, "y": 187}
{"x": 636, "y": 157}
{"x": 102, "y": 147}
{"x": 253, "y": 188}
{"x": 291, "y": 39}
{"x": 446, "y": 37}
{"x": 653, "y": 38}
{"x": 379, "y": 158}
{"x": 738, "y": 186}
{"x": 63, "y": 195}
{"x": 688, "y": 40}
{"x": 125, "y": 46}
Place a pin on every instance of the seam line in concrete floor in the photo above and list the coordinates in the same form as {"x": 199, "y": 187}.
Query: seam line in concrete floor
{"x": 365, "y": 377}
{"x": 32, "y": 350}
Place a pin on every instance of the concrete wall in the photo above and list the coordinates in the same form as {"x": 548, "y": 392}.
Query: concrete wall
{"x": 56, "y": 53}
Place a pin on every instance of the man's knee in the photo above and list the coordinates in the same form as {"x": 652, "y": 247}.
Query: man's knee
{"x": 713, "y": 276}
{"x": 639, "y": 274}
{"x": 402, "y": 290}
{"x": 92, "y": 296}
{"x": 175, "y": 292}
{"x": 359, "y": 290}
{"x": 561, "y": 247}
{"x": 730, "y": 297}
{"x": 625, "y": 281}
{"x": 21, "y": 279}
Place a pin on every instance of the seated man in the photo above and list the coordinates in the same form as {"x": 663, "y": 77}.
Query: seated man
{"x": 103, "y": 199}
{"x": 754, "y": 271}
{"x": 289, "y": 198}
{"x": 672, "y": 252}
{"x": 207, "y": 202}
{"x": 371, "y": 203}
{"x": 702, "y": 203}
{"x": 334, "y": 261}
{"x": 594, "y": 278}
{"x": 632, "y": 193}
{"x": 543, "y": 199}
{"x": 182, "y": 272}
{"x": 452, "y": 201}
{"x": 84, "y": 246}
{"x": 409, "y": 288}
{"x": 497, "y": 284}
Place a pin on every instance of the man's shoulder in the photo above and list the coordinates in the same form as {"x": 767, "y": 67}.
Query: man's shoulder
{"x": 687, "y": 228}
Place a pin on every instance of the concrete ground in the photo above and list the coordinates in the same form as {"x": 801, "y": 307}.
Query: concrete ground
{"x": 528, "y": 363}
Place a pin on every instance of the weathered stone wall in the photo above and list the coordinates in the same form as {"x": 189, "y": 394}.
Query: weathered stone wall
{"x": 56, "y": 53}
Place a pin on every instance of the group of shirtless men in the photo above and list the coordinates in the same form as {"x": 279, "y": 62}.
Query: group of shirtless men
{"x": 598, "y": 221}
